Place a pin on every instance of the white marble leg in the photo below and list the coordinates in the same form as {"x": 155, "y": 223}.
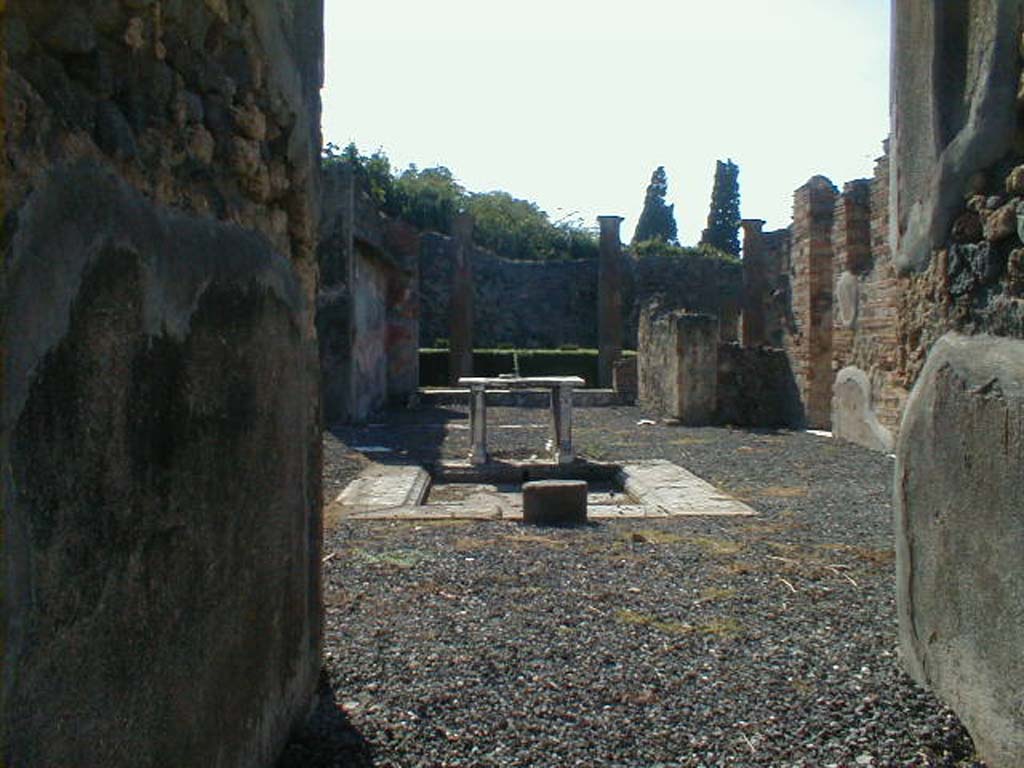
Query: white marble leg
{"x": 561, "y": 420}
{"x": 478, "y": 424}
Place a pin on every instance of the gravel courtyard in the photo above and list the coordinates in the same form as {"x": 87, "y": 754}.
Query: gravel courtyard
{"x": 765, "y": 641}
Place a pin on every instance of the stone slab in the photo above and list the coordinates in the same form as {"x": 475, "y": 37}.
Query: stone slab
{"x": 520, "y": 398}
{"x": 385, "y": 485}
{"x": 670, "y": 489}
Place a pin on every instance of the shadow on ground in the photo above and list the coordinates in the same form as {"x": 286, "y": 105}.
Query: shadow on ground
{"x": 327, "y": 737}
{"x": 411, "y": 436}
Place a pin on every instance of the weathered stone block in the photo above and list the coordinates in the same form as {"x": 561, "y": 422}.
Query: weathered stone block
{"x": 959, "y": 518}
{"x": 677, "y": 364}
{"x": 853, "y": 417}
{"x": 624, "y": 378}
{"x": 555, "y": 502}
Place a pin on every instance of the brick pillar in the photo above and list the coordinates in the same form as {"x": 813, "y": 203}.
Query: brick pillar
{"x": 752, "y": 330}
{"x": 460, "y": 335}
{"x": 810, "y": 345}
{"x": 851, "y": 244}
{"x": 609, "y": 299}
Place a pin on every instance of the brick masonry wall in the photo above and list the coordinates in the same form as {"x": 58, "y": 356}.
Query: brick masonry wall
{"x": 809, "y": 341}
{"x": 868, "y": 294}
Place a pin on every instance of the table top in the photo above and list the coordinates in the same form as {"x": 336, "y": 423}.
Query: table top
{"x": 522, "y": 382}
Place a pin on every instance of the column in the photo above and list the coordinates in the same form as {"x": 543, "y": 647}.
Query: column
{"x": 561, "y": 423}
{"x": 609, "y": 298}
{"x": 752, "y": 332}
{"x": 460, "y": 335}
{"x": 478, "y": 423}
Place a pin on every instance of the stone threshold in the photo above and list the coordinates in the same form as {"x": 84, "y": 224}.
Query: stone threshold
{"x": 660, "y": 489}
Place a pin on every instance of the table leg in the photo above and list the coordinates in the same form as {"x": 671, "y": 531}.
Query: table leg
{"x": 561, "y": 421}
{"x": 478, "y": 424}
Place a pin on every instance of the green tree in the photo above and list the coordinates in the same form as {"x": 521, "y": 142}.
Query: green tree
{"x": 429, "y": 198}
{"x": 375, "y": 170}
{"x": 657, "y": 220}
{"x": 724, "y": 216}
{"x": 519, "y": 229}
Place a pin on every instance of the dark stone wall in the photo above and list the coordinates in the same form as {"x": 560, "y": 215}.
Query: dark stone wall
{"x": 756, "y": 388}
{"x": 548, "y": 304}
{"x": 527, "y": 304}
{"x": 159, "y": 429}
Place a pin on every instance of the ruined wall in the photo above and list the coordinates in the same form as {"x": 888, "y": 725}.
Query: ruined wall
{"x": 865, "y": 322}
{"x": 765, "y": 308}
{"x": 527, "y": 304}
{"x": 159, "y": 430}
{"x": 697, "y": 284}
{"x": 548, "y": 304}
{"x": 368, "y": 305}
{"x": 677, "y": 363}
{"x": 756, "y": 388}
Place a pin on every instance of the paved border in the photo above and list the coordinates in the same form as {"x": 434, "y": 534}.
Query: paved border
{"x": 661, "y": 489}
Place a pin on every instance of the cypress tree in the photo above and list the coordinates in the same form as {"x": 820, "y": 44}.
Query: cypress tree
{"x": 724, "y": 217}
{"x": 657, "y": 220}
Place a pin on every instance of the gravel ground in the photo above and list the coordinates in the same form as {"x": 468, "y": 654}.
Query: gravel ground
{"x": 767, "y": 641}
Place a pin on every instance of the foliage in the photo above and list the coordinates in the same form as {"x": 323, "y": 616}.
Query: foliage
{"x": 657, "y": 220}
{"x": 649, "y": 248}
{"x": 375, "y": 170}
{"x": 724, "y": 216}
{"x": 519, "y": 229}
{"x": 430, "y": 199}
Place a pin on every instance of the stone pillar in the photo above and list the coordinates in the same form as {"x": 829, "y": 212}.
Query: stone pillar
{"x": 561, "y": 423}
{"x": 478, "y": 424}
{"x": 752, "y": 331}
{"x": 810, "y": 344}
{"x": 851, "y": 244}
{"x": 609, "y": 299}
{"x": 460, "y": 336}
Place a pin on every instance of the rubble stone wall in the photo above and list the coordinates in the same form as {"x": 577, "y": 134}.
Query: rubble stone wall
{"x": 159, "y": 428}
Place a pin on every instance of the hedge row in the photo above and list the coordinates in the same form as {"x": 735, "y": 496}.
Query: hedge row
{"x": 525, "y": 362}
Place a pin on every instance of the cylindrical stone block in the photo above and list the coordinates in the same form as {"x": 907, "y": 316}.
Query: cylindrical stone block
{"x": 555, "y": 502}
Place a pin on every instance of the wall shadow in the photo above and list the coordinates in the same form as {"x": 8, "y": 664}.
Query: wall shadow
{"x": 327, "y": 737}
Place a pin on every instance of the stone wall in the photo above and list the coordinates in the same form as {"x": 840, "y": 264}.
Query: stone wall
{"x": 867, "y": 300}
{"x": 159, "y": 431}
{"x": 756, "y": 388}
{"x": 368, "y": 304}
{"x": 526, "y": 304}
{"x": 677, "y": 364}
{"x": 548, "y": 304}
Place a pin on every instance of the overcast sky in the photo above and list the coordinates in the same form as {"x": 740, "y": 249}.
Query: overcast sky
{"x": 573, "y": 103}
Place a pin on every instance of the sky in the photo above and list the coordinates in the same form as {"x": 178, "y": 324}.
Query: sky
{"x": 573, "y": 103}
